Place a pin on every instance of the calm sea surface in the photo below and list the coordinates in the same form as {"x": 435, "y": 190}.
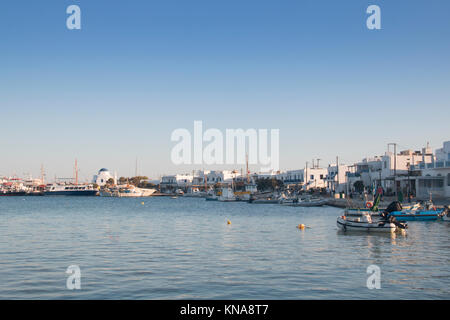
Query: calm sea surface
{"x": 184, "y": 249}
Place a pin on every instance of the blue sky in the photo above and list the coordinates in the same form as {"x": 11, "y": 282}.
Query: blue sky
{"x": 137, "y": 70}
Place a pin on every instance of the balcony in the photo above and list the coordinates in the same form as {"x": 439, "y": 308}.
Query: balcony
{"x": 433, "y": 165}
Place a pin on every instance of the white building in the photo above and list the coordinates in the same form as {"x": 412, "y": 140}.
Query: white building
{"x": 310, "y": 178}
{"x": 432, "y": 178}
{"x": 337, "y": 178}
{"x": 292, "y": 177}
{"x": 102, "y": 177}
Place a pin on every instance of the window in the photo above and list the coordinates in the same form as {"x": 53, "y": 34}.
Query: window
{"x": 312, "y": 177}
{"x": 321, "y": 176}
{"x": 448, "y": 179}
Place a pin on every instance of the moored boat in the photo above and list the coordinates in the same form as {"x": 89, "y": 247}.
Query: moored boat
{"x": 13, "y": 193}
{"x": 419, "y": 212}
{"x": 309, "y": 202}
{"x": 227, "y": 195}
{"x": 365, "y": 223}
{"x": 70, "y": 190}
{"x": 127, "y": 191}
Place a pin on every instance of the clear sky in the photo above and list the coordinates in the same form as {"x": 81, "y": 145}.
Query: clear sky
{"x": 137, "y": 70}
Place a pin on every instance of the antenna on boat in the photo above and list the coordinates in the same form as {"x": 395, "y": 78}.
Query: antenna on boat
{"x": 247, "y": 171}
{"x": 76, "y": 171}
{"x": 42, "y": 174}
{"x": 136, "y": 168}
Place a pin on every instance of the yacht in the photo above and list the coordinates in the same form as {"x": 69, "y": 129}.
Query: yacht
{"x": 127, "y": 191}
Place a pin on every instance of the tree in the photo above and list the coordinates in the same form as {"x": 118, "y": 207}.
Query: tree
{"x": 271, "y": 184}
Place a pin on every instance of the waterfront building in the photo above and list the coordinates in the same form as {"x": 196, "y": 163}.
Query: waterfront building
{"x": 337, "y": 178}
{"x": 184, "y": 180}
{"x": 309, "y": 178}
{"x": 431, "y": 178}
{"x": 168, "y": 183}
{"x": 386, "y": 170}
{"x": 102, "y": 177}
{"x": 292, "y": 177}
{"x": 315, "y": 178}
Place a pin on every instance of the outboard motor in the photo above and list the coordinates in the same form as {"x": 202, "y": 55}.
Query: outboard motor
{"x": 398, "y": 224}
{"x": 385, "y": 215}
{"x": 394, "y": 206}
{"x": 446, "y": 211}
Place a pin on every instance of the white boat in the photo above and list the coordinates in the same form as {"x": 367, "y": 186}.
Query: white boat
{"x": 211, "y": 196}
{"x": 227, "y": 195}
{"x": 358, "y": 212}
{"x": 70, "y": 190}
{"x": 195, "y": 193}
{"x": 365, "y": 223}
{"x": 127, "y": 191}
{"x": 309, "y": 202}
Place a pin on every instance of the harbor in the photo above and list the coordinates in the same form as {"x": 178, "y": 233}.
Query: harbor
{"x": 302, "y": 234}
{"x": 184, "y": 248}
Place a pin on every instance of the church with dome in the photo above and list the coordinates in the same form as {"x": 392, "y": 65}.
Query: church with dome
{"x": 102, "y": 177}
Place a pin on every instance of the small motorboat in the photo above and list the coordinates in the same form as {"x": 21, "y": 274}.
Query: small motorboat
{"x": 419, "y": 212}
{"x": 358, "y": 212}
{"x": 365, "y": 223}
{"x": 309, "y": 202}
{"x": 227, "y": 195}
{"x": 264, "y": 201}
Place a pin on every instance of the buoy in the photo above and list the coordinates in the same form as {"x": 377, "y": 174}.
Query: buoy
{"x": 228, "y": 222}
{"x": 301, "y": 226}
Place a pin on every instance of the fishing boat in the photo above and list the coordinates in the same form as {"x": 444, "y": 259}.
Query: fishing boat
{"x": 365, "y": 223}
{"x": 358, "y": 212}
{"x": 264, "y": 201}
{"x": 211, "y": 196}
{"x": 286, "y": 200}
{"x": 309, "y": 202}
{"x": 227, "y": 195}
{"x": 195, "y": 193}
{"x": 419, "y": 212}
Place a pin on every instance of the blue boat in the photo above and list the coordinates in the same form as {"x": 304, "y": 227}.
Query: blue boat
{"x": 419, "y": 213}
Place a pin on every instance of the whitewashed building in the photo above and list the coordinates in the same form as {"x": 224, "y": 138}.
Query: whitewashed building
{"x": 102, "y": 177}
{"x": 337, "y": 178}
{"x": 432, "y": 178}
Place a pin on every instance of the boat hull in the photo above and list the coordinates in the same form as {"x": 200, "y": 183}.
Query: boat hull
{"x": 417, "y": 216}
{"x": 73, "y": 193}
{"x": 13, "y": 194}
{"x": 347, "y": 225}
{"x": 309, "y": 203}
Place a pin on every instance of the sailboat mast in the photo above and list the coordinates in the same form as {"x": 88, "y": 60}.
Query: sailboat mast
{"x": 76, "y": 172}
